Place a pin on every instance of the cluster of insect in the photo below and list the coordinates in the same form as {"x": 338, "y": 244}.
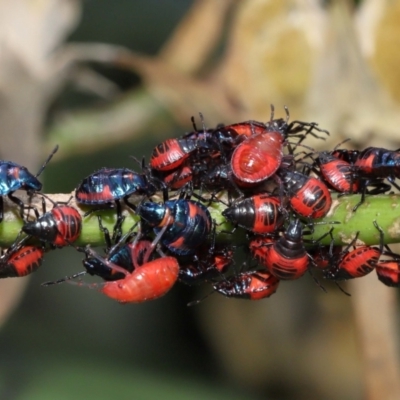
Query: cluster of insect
{"x": 268, "y": 183}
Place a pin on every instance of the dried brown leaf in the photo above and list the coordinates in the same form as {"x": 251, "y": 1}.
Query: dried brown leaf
{"x": 345, "y": 94}
{"x": 197, "y": 35}
{"x": 30, "y": 32}
{"x": 271, "y": 51}
{"x": 378, "y": 32}
{"x": 178, "y": 92}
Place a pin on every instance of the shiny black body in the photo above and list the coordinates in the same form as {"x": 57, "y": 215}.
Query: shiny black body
{"x": 58, "y": 227}
{"x": 105, "y": 186}
{"x": 250, "y": 285}
{"x": 189, "y": 223}
{"x": 16, "y": 177}
{"x": 207, "y": 264}
{"x": 378, "y": 163}
{"x": 259, "y": 213}
{"x": 122, "y": 257}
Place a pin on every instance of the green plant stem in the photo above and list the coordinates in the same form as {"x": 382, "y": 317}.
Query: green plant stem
{"x": 384, "y": 209}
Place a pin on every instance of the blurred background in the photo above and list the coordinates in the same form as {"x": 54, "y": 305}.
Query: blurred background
{"x": 106, "y": 80}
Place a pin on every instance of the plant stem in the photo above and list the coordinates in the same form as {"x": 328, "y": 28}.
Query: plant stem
{"x": 385, "y": 209}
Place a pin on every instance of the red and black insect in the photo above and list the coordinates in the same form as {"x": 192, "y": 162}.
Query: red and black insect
{"x": 252, "y": 285}
{"x": 106, "y": 187}
{"x": 388, "y": 272}
{"x": 177, "y": 179}
{"x": 20, "y": 259}
{"x": 241, "y": 130}
{"x": 323, "y": 255}
{"x": 373, "y": 165}
{"x": 219, "y": 177}
{"x": 16, "y": 177}
{"x": 209, "y": 263}
{"x": 339, "y": 174}
{"x": 259, "y": 248}
{"x": 188, "y": 223}
{"x": 287, "y": 257}
{"x": 214, "y": 144}
{"x": 120, "y": 250}
{"x": 260, "y": 213}
{"x": 347, "y": 155}
{"x": 130, "y": 273}
{"x": 171, "y": 153}
{"x": 149, "y": 281}
{"x": 354, "y": 263}
{"x": 176, "y": 162}
{"x": 58, "y": 227}
{"x": 378, "y": 162}
{"x": 251, "y": 128}
{"x": 308, "y": 196}
{"x": 259, "y": 156}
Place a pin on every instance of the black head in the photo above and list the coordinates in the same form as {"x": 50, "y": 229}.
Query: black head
{"x": 294, "y": 231}
{"x": 44, "y": 228}
{"x": 152, "y": 213}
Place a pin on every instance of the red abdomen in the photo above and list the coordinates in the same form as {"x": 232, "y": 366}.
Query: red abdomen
{"x": 148, "y": 282}
{"x": 257, "y": 158}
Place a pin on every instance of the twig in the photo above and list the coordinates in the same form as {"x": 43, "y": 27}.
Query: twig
{"x": 382, "y": 208}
